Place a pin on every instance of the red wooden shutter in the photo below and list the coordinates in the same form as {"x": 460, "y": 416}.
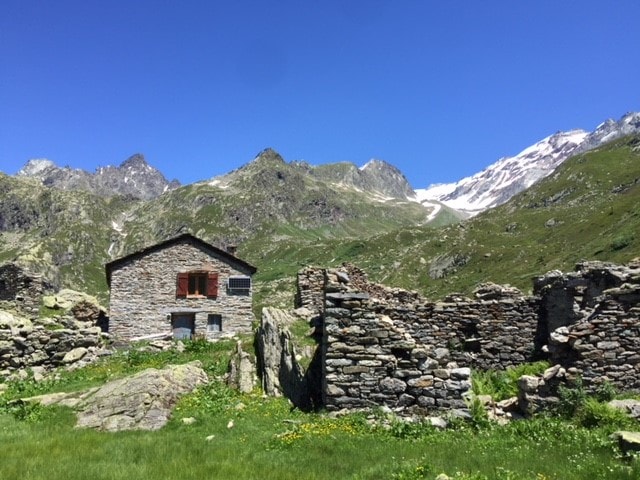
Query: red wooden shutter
{"x": 212, "y": 284}
{"x": 182, "y": 284}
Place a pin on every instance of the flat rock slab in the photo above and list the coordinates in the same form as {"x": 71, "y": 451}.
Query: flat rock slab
{"x": 628, "y": 441}
{"x": 143, "y": 401}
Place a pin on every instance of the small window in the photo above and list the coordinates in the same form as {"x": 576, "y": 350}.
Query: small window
{"x": 214, "y": 322}
{"x": 197, "y": 284}
{"x": 240, "y": 285}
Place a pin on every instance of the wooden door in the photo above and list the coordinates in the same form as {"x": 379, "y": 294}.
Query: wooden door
{"x": 183, "y": 325}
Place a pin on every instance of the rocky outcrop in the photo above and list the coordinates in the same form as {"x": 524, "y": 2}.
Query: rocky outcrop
{"x": 134, "y": 178}
{"x": 143, "y": 401}
{"x": 242, "y": 370}
{"x": 280, "y": 372}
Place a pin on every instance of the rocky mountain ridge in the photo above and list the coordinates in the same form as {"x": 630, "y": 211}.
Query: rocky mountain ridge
{"x": 134, "y": 178}
{"x": 508, "y": 176}
{"x": 376, "y": 176}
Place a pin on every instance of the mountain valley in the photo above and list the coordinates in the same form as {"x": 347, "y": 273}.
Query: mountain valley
{"x": 283, "y": 215}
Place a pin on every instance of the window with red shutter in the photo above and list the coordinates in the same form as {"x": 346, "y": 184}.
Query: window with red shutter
{"x": 212, "y": 284}
{"x": 182, "y": 284}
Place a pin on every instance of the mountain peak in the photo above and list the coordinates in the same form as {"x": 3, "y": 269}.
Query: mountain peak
{"x": 269, "y": 154}
{"x": 385, "y": 178}
{"x": 510, "y": 175}
{"x": 36, "y": 166}
{"x": 136, "y": 160}
{"x": 134, "y": 177}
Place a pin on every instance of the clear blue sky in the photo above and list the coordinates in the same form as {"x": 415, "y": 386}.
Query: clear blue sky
{"x": 440, "y": 89}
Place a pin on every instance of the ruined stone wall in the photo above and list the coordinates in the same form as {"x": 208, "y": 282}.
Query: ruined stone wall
{"x": 143, "y": 294}
{"x": 402, "y": 351}
{"x": 22, "y": 290}
{"x": 310, "y": 289}
{"x": 602, "y": 344}
{"x": 385, "y": 346}
{"x": 483, "y": 334}
{"x": 46, "y": 343}
{"x": 370, "y": 359}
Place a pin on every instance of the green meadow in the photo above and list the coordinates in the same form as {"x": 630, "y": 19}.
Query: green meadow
{"x": 249, "y": 436}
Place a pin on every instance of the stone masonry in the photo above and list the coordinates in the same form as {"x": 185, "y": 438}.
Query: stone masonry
{"x": 599, "y": 337}
{"x": 386, "y": 346}
{"x": 143, "y": 291}
{"x": 21, "y": 289}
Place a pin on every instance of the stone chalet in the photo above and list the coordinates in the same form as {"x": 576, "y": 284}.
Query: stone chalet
{"x": 181, "y": 287}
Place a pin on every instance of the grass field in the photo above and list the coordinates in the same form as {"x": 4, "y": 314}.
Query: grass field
{"x": 268, "y": 440}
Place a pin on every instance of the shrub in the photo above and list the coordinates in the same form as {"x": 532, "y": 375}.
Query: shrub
{"x": 621, "y": 241}
{"x": 571, "y": 399}
{"x": 593, "y": 413}
{"x": 504, "y": 384}
{"x": 606, "y": 392}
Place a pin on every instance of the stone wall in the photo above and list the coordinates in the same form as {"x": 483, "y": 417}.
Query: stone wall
{"x": 384, "y": 346}
{"x": 143, "y": 293}
{"x": 370, "y": 359}
{"x": 22, "y": 290}
{"x": 46, "y": 343}
{"x": 599, "y": 339}
{"x": 310, "y": 289}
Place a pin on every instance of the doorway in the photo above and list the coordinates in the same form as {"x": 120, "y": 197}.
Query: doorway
{"x": 183, "y": 325}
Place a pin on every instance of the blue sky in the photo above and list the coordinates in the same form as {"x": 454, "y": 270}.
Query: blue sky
{"x": 438, "y": 89}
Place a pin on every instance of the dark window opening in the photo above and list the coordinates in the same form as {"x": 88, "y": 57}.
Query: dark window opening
{"x": 214, "y": 322}
{"x": 197, "y": 284}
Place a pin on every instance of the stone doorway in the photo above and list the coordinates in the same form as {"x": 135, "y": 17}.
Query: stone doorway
{"x": 183, "y": 325}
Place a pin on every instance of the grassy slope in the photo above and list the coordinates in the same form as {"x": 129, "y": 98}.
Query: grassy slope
{"x": 588, "y": 209}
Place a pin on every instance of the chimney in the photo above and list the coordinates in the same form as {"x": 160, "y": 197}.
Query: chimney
{"x": 232, "y": 249}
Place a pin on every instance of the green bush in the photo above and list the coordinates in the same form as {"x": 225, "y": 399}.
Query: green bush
{"x": 571, "y": 399}
{"x": 593, "y": 413}
{"x": 621, "y": 241}
{"x": 503, "y": 384}
{"x": 606, "y": 392}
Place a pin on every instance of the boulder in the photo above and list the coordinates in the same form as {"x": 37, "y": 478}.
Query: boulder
{"x": 627, "y": 441}
{"x": 74, "y": 355}
{"x": 67, "y": 299}
{"x": 281, "y": 374}
{"x": 242, "y": 373}
{"x": 14, "y": 323}
{"x": 629, "y": 406}
{"x": 143, "y": 401}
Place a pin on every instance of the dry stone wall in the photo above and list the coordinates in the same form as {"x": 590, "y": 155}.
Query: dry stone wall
{"x": 369, "y": 359}
{"x": 21, "y": 290}
{"x": 43, "y": 344}
{"x": 383, "y": 346}
{"x": 601, "y": 343}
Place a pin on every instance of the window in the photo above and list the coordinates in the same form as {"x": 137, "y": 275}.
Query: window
{"x": 239, "y": 285}
{"x": 214, "y": 322}
{"x": 197, "y": 284}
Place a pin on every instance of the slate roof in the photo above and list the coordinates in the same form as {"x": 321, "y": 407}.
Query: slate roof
{"x": 185, "y": 237}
